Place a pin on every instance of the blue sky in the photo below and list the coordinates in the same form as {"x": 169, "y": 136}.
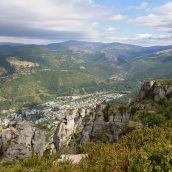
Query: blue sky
{"x": 141, "y": 22}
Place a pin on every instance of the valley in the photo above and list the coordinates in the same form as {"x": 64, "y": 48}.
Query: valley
{"x": 35, "y": 74}
{"x": 49, "y": 114}
{"x": 139, "y": 130}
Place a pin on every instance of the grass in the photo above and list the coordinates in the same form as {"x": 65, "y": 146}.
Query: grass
{"x": 164, "y": 82}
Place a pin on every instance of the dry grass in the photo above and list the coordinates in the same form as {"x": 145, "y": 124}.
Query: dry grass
{"x": 18, "y": 63}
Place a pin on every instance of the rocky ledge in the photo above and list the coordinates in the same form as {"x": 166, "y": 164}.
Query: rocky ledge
{"x": 103, "y": 123}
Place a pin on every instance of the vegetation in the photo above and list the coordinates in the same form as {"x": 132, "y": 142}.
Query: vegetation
{"x": 54, "y": 70}
{"x": 35, "y": 74}
{"x": 164, "y": 82}
{"x": 146, "y": 68}
{"x": 141, "y": 150}
{"x": 155, "y": 115}
{"x": 43, "y": 86}
{"x": 147, "y": 149}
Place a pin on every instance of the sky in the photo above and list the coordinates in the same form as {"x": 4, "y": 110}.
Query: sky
{"x": 139, "y": 22}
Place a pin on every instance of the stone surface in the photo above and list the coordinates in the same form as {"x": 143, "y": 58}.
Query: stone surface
{"x": 93, "y": 124}
{"x": 38, "y": 141}
{"x": 156, "y": 90}
{"x": 146, "y": 89}
{"x": 65, "y": 129}
{"x": 75, "y": 158}
{"x": 16, "y": 141}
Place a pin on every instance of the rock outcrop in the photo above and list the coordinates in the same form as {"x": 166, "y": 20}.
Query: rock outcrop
{"x": 106, "y": 123}
{"x": 102, "y": 123}
{"x": 19, "y": 140}
{"x": 156, "y": 90}
{"x": 67, "y": 127}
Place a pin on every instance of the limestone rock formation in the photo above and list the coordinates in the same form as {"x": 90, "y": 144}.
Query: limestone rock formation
{"x": 156, "y": 90}
{"x": 67, "y": 127}
{"x": 101, "y": 123}
{"x": 38, "y": 141}
{"x": 146, "y": 89}
{"x": 19, "y": 139}
{"x": 106, "y": 123}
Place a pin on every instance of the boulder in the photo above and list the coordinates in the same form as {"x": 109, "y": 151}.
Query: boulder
{"x": 75, "y": 158}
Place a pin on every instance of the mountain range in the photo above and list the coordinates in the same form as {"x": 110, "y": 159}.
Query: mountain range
{"x": 37, "y": 73}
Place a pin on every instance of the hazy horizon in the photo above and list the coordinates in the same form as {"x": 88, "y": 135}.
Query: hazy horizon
{"x": 44, "y": 44}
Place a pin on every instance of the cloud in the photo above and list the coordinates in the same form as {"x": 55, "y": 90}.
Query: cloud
{"x": 118, "y": 17}
{"x": 111, "y": 29}
{"x": 26, "y": 40}
{"x": 159, "y": 19}
{"x": 152, "y": 39}
{"x": 143, "y": 6}
{"x": 151, "y": 36}
{"x": 142, "y": 36}
{"x": 58, "y": 20}
{"x": 144, "y": 39}
{"x": 53, "y": 19}
{"x": 22, "y": 31}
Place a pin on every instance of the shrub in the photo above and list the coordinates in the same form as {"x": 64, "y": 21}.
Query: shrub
{"x": 140, "y": 150}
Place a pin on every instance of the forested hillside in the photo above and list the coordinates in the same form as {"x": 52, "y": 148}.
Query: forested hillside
{"x": 35, "y": 73}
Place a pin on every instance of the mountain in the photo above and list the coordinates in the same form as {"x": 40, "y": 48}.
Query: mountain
{"x": 37, "y": 73}
{"x": 112, "y": 52}
{"x": 154, "y": 65}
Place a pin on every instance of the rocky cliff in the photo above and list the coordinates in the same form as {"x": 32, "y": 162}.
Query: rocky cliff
{"x": 107, "y": 122}
{"x": 19, "y": 140}
{"x": 156, "y": 90}
{"x": 103, "y": 123}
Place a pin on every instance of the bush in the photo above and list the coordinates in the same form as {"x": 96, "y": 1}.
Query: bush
{"x": 153, "y": 119}
{"x": 152, "y": 157}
